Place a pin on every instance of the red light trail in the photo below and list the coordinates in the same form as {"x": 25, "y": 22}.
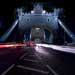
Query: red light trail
{"x": 11, "y": 45}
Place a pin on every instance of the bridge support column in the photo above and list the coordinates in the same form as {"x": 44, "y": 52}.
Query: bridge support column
{"x": 51, "y": 38}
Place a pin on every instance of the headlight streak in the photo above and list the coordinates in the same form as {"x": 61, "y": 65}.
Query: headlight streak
{"x": 39, "y": 47}
{"x": 68, "y": 49}
{"x": 41, "y": 50}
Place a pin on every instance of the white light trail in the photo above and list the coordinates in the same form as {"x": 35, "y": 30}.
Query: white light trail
{"x": 41, "y": 50}
{"x": 68, "y": 49}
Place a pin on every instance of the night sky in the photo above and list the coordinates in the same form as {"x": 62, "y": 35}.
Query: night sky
{"x": 7, "y": 14}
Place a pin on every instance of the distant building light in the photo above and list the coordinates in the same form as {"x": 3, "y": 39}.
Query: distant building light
{"x": 37, "y": 28}
{"x": 32, "y": 12}
{"x": 43, "y": 12}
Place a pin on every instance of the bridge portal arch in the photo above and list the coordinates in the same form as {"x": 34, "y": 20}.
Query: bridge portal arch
{"x": 34, "y": 34}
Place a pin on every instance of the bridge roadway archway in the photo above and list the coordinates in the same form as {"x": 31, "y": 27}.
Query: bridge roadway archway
{"x": 44, "y": 27}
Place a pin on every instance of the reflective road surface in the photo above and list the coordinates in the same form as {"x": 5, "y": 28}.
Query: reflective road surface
{"x": 42, "y": 59}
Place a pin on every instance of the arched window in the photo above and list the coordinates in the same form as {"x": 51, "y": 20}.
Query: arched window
{"x": 48, "y": 19}
{"x": 28, "y": 20}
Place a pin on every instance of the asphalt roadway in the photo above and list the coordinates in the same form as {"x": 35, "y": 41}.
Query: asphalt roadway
{"x": 36, "y": 61}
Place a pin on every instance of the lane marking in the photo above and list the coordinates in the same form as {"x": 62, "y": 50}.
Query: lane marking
{"x": 51, "y": 70}
{"x": 32, "y": 69}
{"x": 32, "y": 55}
{"x": 30, "y": 60}
{"x": 7, "y": 70}
{"x": 23, "y": 55}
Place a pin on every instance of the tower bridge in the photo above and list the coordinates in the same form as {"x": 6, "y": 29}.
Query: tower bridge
{"x": 42, "y": 57}
{"x": 38, "y": 18}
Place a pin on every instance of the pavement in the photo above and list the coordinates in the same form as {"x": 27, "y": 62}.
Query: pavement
{"x": 40, "y": 60}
